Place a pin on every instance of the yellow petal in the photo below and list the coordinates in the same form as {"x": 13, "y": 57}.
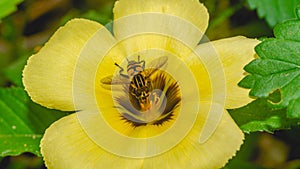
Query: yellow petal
{"x": 234, "y": 54}
{"x": 65, "y": 145}
{"x": 208, "y": 71}
{"x": 185, "y": 20}
{"x": 212, "y": 154}
{"x": 48, "y": 74}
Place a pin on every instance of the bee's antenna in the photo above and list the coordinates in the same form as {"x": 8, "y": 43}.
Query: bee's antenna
{"x": 121, "y": 71}
{"x": 127, "y": 60}
{"x": 138, "y": 58}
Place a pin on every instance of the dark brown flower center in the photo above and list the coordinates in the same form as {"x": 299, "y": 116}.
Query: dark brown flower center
{"x": 150, "y": 98}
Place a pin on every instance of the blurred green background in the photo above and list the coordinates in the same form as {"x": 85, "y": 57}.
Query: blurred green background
{"x": 25, "y": 30}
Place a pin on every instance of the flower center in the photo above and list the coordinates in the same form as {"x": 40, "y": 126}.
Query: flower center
{"x": 143, "y": 93}
{"x": 151, "y": 98}
{"x": 146, "y": 93}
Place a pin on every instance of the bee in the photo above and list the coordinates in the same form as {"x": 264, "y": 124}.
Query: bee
{"x": 138, "y": 79}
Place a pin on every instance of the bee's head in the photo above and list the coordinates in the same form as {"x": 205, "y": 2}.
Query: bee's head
{"x": 133, "y": 68}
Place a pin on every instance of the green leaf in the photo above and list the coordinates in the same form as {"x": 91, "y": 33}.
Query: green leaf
{"x": 288, "y": 31}
{"x": 22, "y": 122}
{"x": 294, "y": 108}
{"x": 13, "y": 71}
{"x": 245, "y": 155}
{"x": 298, "y": 11}
{"x": 278, "y": 68}
{"x": 275, "y": 11}
{"x": 258, "y": 116}
{"x": 7, "y": 7}
{"x": 247, "y": 82}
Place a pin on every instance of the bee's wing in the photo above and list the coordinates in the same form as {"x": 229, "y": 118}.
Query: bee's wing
{"x": 158, "y": 63}
{"x": 107, "y": 81}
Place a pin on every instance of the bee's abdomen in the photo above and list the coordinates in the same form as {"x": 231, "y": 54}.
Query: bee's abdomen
{"x": 139, "y": 81}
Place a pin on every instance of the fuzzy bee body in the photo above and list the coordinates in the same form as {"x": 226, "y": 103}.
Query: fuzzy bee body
{"x": 138, "y": 79}
{"x": 140, "y": 87}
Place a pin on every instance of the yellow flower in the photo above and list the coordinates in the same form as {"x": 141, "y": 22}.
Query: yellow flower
{"x": 146, "y": 96}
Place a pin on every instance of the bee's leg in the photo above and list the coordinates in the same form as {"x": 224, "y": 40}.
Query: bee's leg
{"x": 121, "y": 71}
